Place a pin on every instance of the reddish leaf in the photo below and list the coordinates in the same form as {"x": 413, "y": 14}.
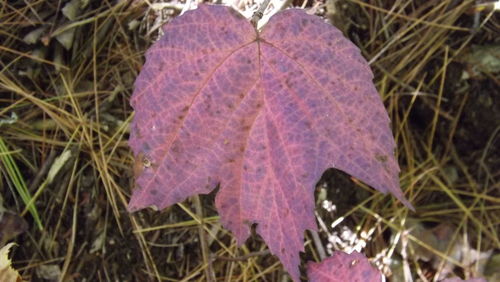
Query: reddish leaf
{"x": 262, "y": 114}
{"x": 343, "y": 267}
{"x": 455, "y": 279}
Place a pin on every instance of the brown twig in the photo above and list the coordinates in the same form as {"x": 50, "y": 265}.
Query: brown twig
{"x": 244, "y": 257}
{"x": 259, "y": 13}
{"x": 209, "y": 272}
{"x": 43, "y": 171}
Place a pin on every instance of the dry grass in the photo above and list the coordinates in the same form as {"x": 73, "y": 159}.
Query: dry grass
{"x": 67, "y": 170}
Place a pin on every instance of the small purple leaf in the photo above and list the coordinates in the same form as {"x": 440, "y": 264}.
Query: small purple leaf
{"x": 343, "y": 267}
{"x": 456, "y": 279}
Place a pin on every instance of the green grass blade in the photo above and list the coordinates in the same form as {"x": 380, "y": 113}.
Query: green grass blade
{"x": 18, "y": 181}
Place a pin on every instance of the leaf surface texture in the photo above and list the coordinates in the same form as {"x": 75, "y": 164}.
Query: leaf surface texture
{"x": 343, "y": 267}
{"x": 263, "y": 114}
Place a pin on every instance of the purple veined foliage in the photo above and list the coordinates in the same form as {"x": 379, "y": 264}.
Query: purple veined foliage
{"x": 461, "y": 280}
{"x": 263, "y": 115}
{"x": 343, "y": 267}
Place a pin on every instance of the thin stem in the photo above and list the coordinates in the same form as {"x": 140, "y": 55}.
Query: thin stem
{"x": 259, "y": 13}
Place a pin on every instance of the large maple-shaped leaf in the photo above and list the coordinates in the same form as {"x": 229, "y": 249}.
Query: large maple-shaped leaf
{"x": 343, "y": 267}
{"x": 263, "y": 115}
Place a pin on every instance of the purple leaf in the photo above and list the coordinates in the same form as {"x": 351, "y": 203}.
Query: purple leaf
{"x": 343, "y": 267}
{"x": 263, "y": 114}
{"x": 456, "y": 279}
